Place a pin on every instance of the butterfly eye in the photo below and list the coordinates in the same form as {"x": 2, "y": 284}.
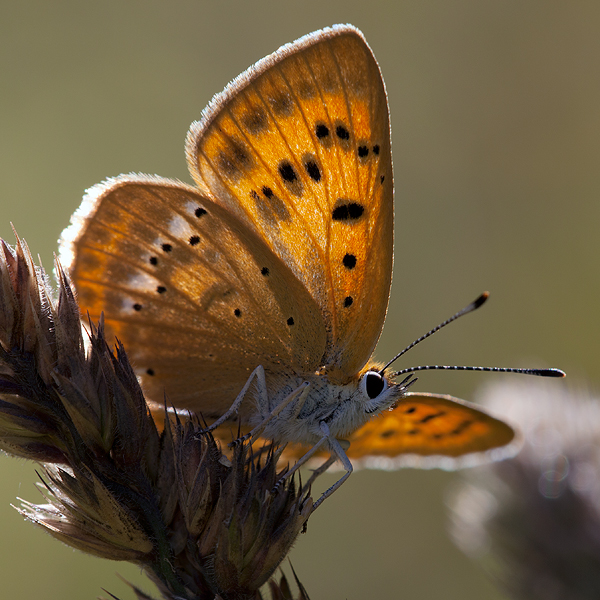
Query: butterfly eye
{"x": 373, "y": 384}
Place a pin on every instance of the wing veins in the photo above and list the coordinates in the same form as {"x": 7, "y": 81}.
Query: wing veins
{"x": 178, "y": 242}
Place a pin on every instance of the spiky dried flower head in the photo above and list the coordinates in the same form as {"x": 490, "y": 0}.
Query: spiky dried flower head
{"x": 201, "y": 524}
{"x": 534, "y": 520}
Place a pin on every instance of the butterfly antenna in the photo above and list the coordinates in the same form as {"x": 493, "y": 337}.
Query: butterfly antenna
{"x": 538, "y": 372}
{"x": 465, "y": 311}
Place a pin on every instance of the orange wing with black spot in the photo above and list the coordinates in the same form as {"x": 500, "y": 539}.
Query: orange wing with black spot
{"x": 298, "y": 146}
{"x": 431, "y": 430}
{"x": 198, "y": 299}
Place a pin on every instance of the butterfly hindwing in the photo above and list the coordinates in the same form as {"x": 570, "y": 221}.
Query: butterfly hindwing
{"x": 439, "y": 427}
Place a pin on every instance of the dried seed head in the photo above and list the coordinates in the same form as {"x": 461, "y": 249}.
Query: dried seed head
{"x": 201, "y": 524}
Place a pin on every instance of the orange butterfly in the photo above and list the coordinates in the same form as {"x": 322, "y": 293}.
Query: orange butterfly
{"x": 273, "y": 273}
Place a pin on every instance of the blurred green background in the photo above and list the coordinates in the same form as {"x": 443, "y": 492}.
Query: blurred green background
{"x": 496, "y": 134}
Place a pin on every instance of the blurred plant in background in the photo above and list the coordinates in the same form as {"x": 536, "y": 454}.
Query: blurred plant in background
{"x": 201, "y": 524}
{"x": 534, "y": 521}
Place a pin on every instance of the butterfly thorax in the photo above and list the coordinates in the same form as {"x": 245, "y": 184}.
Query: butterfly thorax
{"x": 342, "y": 407}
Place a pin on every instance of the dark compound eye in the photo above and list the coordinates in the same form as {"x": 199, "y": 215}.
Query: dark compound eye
{"x": 373, "y": 384}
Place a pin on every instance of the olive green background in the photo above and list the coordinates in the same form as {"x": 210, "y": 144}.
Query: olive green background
{"x": 496, "y": 135}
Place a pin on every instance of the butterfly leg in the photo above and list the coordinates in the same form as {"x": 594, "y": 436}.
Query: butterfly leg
{"x": 337, "y": 453}
{"x": 261, "y": 384}
{"x": 318, "y": 471}
{"x": 301, "y": 392}
{"x": 301, "y": 461}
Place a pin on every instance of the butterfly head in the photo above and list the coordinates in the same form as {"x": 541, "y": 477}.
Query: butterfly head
{"x": 343, "y": 407}
{"x": 379, "y": 390}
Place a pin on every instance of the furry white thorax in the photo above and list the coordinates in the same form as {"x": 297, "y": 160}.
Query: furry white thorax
{"x": 344, "y": 408}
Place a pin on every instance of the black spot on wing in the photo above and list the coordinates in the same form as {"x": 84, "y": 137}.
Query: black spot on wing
{"x": 290, "y": 178}
{"x": 343, "y": 137}
{"x": 342, "y": 132}
{"x": 287, "y": 171}
{"x": 347, "y": 210}
{"x": 321, "y": 130}
{"x": 312, "y": 167}
{"x": 349, "y": 261}
{"x": 323, "y": 135}
{"x": 461, "y": 427}
{"x": 432, "y": 416}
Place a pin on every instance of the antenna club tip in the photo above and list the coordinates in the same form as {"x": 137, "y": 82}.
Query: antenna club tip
{"x": 482, "y": 298}
{"x": 552, "y": 373}
{"x": 547, "y": 372}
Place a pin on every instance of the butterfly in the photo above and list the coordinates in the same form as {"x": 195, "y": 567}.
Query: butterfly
{"x": 258, "y": 295}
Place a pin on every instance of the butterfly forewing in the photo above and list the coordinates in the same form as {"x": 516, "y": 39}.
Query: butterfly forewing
{"x": 198, "y": 299}
{"x": 299, "y": 147}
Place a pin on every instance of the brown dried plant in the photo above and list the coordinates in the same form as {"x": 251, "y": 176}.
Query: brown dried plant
{"x": 200, "y": 523}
